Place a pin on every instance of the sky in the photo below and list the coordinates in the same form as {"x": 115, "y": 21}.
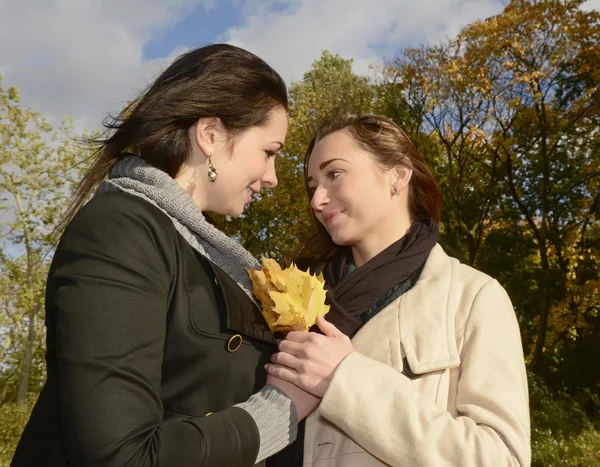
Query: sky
{"x": 87, "y": 58}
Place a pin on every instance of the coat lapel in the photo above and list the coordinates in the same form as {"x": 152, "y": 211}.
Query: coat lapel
{"x": 426, "y": 316}
{"x": 242, "y": 314}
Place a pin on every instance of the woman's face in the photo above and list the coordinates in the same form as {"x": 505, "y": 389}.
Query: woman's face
{"x": 351, "y": 196}
{"x": 243, "y": 166}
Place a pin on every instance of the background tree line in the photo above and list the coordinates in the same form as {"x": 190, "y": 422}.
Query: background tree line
{"x": 507, "y": 115}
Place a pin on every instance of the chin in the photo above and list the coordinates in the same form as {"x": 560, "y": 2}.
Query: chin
{"x": 231, "y": 211}
{"x": 341, "y": 239}
{"x": 235, "y": 212}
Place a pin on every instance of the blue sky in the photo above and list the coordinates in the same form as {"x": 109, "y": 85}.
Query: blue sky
{"x": 197, "y": 27}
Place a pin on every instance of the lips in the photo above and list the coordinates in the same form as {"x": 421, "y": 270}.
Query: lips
{"x": 251, "y": 192}
{"x": 329, "y": 216}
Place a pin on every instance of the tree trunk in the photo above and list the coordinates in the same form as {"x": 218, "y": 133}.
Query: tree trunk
{"x": 540, "y": 341}
{"x": 27, "y": 356}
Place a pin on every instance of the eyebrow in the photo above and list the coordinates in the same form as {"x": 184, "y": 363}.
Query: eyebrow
{"x": 325, "y": 164}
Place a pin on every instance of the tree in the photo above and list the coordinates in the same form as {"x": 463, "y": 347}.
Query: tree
{"x": 538, "y": 59}
{"x": 34, "y": 187}
{"x": 513, "y": 104}
{"x": 438, "y": 89}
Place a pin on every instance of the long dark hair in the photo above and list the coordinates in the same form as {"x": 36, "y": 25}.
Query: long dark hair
{"x": 218, "y": 80}
{"x": 390, "y": 147}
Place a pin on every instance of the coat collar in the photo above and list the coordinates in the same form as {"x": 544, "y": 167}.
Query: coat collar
{"x": 427, "y": 317}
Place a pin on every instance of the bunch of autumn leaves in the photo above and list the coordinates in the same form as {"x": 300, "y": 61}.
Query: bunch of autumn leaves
{"x": 291, "y": 299}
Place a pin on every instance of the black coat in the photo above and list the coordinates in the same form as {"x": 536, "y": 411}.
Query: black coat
{"x": 149, "y": 345}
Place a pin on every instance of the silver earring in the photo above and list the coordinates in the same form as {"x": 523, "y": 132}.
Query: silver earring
{"x": 395, "y": 192}
{"x": 212, "y": 173}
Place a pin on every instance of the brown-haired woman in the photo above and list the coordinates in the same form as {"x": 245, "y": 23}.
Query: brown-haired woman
{"x": 155, "y": 348}
{"x": 420, "y": 361}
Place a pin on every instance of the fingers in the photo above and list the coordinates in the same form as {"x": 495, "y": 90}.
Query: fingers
{"x": 285, "y": 359}
{"x": 298, "y": 336}
{"x": 293, "y": 348}
{"x": 282, "y": 372}
{"x": 327, "y": 328}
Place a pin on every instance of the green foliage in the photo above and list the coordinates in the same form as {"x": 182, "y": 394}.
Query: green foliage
{"x": 561, "y": 433}
{"x": 34, "y": 189}
{"x": 13, "y": 418}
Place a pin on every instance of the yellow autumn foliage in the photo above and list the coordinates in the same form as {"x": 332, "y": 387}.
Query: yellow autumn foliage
{"x": 291, "y": 299}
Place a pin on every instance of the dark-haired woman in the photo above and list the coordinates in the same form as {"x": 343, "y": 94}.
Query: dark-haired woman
{"x": 155, "y": 347}
{"x": 420, "y": 360}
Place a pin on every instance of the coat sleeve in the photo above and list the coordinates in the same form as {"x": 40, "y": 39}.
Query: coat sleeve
{"x": 107, "y": 301}
{"x": 383, "y": 411}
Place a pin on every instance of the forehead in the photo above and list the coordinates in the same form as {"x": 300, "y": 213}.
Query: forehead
{"x": 274, "y": 128}
{"x": 337, "y": 145}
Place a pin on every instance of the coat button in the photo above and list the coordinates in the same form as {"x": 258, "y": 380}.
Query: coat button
{"x": 234, "y": 343}
{"x": 209, "y": 413}
{"x": 216, "y": 281}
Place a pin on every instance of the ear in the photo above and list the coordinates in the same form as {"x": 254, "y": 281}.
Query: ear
{"x": 206, "y": 133}
{"x": 404, "y": 174}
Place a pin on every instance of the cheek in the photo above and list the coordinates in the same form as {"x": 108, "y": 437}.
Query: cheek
{"x": 245, "y": 170}
{"x": 257, "y": 165}
{"x": 366, "y": 200}
{"x": 352, "y": 193}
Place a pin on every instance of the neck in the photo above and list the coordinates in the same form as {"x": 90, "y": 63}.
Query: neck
{"x": 187, "y": 178}
{"x": 384, "y": 235}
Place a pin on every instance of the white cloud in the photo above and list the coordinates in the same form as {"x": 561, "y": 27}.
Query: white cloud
{"x": 290, "y": 34}
{"x": 591, "y": 5}
{"x": 82, "y": 58}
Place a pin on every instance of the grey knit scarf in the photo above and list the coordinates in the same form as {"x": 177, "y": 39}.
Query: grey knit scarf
{"x": 132, "y": 175}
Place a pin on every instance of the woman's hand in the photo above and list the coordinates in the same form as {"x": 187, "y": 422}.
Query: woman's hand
{"x": 304, "y": 402}
{"x": 308, "y": 359}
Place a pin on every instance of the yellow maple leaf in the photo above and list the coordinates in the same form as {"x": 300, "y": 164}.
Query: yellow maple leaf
{"x": 291, "y": 299}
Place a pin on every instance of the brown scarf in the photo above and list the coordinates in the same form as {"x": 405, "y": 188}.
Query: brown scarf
{"x": 352, "y": 294}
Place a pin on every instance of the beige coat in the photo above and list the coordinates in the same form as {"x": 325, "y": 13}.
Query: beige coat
{"x": 458, "y": 329}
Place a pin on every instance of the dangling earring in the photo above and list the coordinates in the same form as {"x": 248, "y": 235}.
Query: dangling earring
{"x": 395, "y": 192}
{"x": 212, "y": 173}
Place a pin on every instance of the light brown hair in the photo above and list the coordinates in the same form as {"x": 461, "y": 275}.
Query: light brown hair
{"x": 390, "y": 147}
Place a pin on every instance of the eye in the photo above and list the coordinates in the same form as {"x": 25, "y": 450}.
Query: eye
{"x": 311, "y": 191}
{"x": 334, "y": 173}
{"x": 270, "y": 154}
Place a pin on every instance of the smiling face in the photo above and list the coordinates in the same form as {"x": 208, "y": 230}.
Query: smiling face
{"x": 249, "y": 167}
{"x": 244, "y": 165}
{"x": 353, "y": 198}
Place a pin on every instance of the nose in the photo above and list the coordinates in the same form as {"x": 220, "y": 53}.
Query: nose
{"x": 269, "y": 179}
{"x": 319, "y": 199}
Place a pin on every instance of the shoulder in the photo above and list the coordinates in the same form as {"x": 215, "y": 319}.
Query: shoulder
{"x": 122, "y": 226}
{"x": 469, "y": 290}
{"x": 117, "y": 213}
{"x": 117, "y": 207}
{"x": 447, "y": 272}
{"x": 488, "y": 306}
{"x": 481, "y": 285}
